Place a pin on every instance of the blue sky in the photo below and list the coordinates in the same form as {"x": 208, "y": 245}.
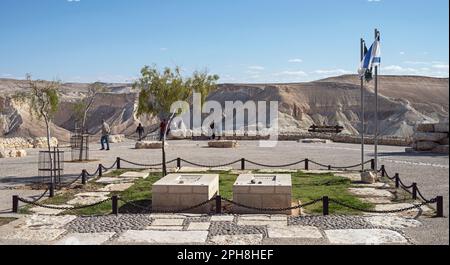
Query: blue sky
{"x": 241, "y": 40}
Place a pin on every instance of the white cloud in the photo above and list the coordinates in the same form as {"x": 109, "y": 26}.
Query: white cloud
{"x": 296, "y": 60}
{"x": 440, "y": 66}
{"x": 402, "y": 53}
{"x": 373, "y": 1}
{"x": 163, "y": 49}
{"x": 5, "y": 75}
{"x": 291, "y": 73}
{"x": 70, "y": 1}
{"x": 256, "y": 67}
{"x": 332, "y": 72}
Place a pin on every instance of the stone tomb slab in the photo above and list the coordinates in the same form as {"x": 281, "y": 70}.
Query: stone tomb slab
{"x": 263, "y": 191}
{"x": 179, "y": 191}
{"x": 393, "y": 222}
{"x": 109, "y": 180}
{"x": 88, "y": 198}
{"x": 371, "y": 192}
{"x": 294, "y": 232}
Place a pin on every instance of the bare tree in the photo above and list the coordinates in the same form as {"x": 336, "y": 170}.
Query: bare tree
{"x": 83, "y": 107}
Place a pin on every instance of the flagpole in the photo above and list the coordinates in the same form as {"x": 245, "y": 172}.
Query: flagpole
{"x": 362, "y": 110}
{"x": 377, "y": 35}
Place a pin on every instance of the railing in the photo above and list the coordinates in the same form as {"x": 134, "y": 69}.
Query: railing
{"x": 412, "y": 189}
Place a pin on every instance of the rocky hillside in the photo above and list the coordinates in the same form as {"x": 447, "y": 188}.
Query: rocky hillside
{"x": 404, "y": 102}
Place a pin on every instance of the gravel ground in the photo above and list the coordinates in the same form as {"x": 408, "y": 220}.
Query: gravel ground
{"x": 332, "y": 222}
{"x": 109, "y": 223}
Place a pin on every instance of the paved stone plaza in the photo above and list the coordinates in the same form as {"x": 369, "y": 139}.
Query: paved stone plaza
{"x": 429, "y": 171}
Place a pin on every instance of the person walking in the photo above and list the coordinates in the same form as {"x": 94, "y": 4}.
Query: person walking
{"x": 106, "y": 131}
{"x": 212, "y": 126}
{"x": 162, "y": 129}
{"x": 140, "y": 131}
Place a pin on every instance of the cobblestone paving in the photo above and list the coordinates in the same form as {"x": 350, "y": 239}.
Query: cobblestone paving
{"x": 227, "y": 228}
{"x": 110, "y": 223}
{"x": 332, "y": 222}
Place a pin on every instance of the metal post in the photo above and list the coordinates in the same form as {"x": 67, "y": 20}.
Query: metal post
{"x": 100, "y": 170}
{"x": 118, "y": 163}
{"x": 243, "y": 164}
{"x": 440, "y": 206}
{"x": 325, "y": 202}
{"x": 178, "y": 162}
{"x": 115, "y": 205}
{"x": 52, "y": 189}
{"x": 377, "y": 36}
{"x": 83, "y": 177}
{"x": 397, "y": 180}
{"x": 307, "y": 164}
{"x": 362, "y": 110}
{"x": 414, "y": 191}
{"x": 329, "y": 167}
{"x": 372, "y": 164}
{"x": 15, "y": 204}
{"x": 383, "y": 171}
{"x": 218, "y": 204}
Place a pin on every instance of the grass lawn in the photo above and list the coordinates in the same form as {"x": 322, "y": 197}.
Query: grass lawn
{"x": 6, "y": 220}
{"x": 305, "y": 188}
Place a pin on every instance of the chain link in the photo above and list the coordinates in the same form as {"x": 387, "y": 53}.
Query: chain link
{"x": 63, "y": 208}
{"x": 210, "y": 166}
{"x": 260, "y": 209}
{"x": 149, "y": 209}
{"x": 275, "y": 166}
{"x": 386, "y": 211}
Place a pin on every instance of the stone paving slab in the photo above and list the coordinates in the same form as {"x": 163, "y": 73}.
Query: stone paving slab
{"x": 133, "y": 174}
{"x": 263, "y": 217}
{"x": 165, "y": 228}
{"x": 45, "y": 211}
{"x": 393, "y": 222}
{"x": 85, "y": 239}
{"x": 34, "y": 235}
{"x": 109, "y": 180}
{"x": 353, "y": 176}
{"x": 252, "y": 239}
{"x": 376, "y": 200}
{"x": 261, "y": 223}
{"x": 394, "y": 206}
{"x": 47, "y": 222}
{"x": 221, "y": 169}
{"x": 167, "y": 222}
{"x": 86, "y": 200}
{"x": 192, "y": 169}
{"x": 222, "y": 218}
{"x": 377, "y": 185}
{"x": 163, "y": 237}
{"x": 167, "y": 216}
{"x": 371, "y": 192}
{"x": 365, "y": 237}
{"x": 196, "y": 226}
{"x": 294, "y": 232}
{"x": 92, "y": 194}
{"x": 117, "y": 187}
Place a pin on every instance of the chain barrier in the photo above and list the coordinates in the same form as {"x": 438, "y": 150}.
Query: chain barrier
{"x": 275, "y": 166}
{"x": 93, "y": 174}
{"x": 403, "y": 184}
{"x": 210, "y": 166}
{"x": 273, "y": 209}
{"x": 71, "y": 183}
{"x": 62, "y": 208}
{"x": 111, "y": 167}
{"x": 168, "y": 211}
{"x": 423, "y": 198}
{"x": 42, "y": 196}
{"x": 140, "y": 165}
{"x": 416, "y": 206}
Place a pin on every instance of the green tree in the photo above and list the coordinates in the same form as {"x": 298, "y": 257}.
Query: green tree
{"x": 42, "y": 98}
{"x": 159, "y": 90}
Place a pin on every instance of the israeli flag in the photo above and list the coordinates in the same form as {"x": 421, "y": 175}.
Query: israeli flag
{"x": 371, "y": 59}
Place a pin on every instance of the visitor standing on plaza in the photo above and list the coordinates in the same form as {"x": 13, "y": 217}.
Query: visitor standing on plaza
{"x": 106, "y": 131}
{"x": 140, "y": 131}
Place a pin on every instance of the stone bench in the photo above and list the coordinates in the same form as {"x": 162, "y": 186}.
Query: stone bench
{"x": 149, "y": 145}
{"x": 223, "y": 144}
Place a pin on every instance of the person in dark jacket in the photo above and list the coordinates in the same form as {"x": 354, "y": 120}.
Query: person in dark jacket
{"x": 140, "y": 131}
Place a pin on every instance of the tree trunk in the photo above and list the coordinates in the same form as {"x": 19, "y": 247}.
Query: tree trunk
{"x": 52, "y": 175}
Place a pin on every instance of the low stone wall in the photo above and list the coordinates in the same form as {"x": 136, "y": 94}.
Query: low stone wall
{"x": 27, "y": 143}
{"x": 431, "y": 138}
{"x": 149, "y": 145}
